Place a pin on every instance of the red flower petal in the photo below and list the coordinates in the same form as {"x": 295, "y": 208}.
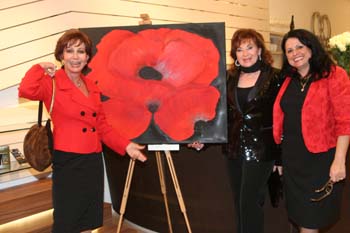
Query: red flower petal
{"x": 98, "y": 64}
{"x": 125, "y": 117}
{"x": 178, "y": 114}
{"x": 188, "y": 58}
{"x": 136, "y": 52}
{"x": 105, "y": 47}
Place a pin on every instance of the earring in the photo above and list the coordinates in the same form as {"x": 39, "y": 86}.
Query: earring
{"x": 62, "y": 62}
{"x": 237, "y": 63}
{"x": 259, "y": 57}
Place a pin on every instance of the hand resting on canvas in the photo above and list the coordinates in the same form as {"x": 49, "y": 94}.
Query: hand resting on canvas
{"x": 196, "y": 145}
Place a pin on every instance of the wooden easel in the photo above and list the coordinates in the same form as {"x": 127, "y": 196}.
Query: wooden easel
{"x": 166, "y": 148}
{"x": 162, "y": 186}
{"x": 145, "y": 19}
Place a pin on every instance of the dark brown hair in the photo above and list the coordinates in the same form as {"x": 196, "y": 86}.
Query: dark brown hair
{"x": 242, "y": 35}
{"x": 320, "y": 61}
{"x": 70, "y": 37}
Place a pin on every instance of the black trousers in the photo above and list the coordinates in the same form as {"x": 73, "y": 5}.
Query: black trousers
{"x": 249, "y": 183}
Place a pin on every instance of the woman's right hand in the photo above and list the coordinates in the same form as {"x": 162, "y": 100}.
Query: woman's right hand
{"x": 49, "y": 68}
{"x": 196, "y": 145}
{"x": 134, "y": 150}
{"x": 279, "y": 169}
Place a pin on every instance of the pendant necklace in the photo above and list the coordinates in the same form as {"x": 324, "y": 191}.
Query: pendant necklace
{"x": 78, "y": 83}
{"x": 303, "y": 82}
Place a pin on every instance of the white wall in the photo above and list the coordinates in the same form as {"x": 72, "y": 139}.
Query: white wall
{"x": 337, "y": 11}
{"x": 282, "y": 10}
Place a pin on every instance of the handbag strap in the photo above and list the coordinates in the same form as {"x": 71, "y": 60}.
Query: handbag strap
{"x": 40, "y": 110}
{"x": 53, "y": 95}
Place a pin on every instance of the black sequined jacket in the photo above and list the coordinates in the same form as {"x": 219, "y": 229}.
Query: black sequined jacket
{"x": 250, "y": 132}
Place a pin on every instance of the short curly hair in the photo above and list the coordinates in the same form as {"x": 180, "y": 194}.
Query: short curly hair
{"x": 250, "y": 34}
{"x": 73, "y": 36}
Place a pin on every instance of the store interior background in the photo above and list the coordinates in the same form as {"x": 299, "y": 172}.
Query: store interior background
{"x": 29, "y": 30}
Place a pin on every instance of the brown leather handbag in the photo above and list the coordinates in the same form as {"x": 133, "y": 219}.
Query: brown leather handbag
{"x": 38, "y": 142}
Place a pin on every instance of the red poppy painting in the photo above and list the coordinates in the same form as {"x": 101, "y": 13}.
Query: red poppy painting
{"x": 162, "y": 83}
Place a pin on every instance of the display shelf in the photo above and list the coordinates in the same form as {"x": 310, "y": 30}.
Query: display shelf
{"x": 275, "y": 48}
{"x": 17, "y": 173}
{"x": 14, "y": 164}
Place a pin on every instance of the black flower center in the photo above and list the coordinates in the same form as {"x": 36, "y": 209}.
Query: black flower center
{"x": 148, "y": 72}
{"x": 153, "y": 106}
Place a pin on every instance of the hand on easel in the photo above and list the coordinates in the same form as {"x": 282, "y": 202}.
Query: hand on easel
{"x": 134, "y": 151}
{"x": 196, "y": 145}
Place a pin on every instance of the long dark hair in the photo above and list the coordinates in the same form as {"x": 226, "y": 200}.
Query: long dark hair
{"x": 320, "y": 61}
{"x": 244, "y": 34}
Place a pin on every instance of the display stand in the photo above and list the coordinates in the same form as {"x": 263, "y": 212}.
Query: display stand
{"x": 166, "y": 149}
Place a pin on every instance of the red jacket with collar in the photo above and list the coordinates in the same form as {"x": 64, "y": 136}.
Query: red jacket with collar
{"x": 79, "y": 121}
{"x": 325, "y": 114}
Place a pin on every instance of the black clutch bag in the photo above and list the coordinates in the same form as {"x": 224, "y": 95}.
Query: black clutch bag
{"x": 275, "y": 185}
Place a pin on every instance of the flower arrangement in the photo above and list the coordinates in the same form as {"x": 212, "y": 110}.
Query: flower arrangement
{"x": 340, "y": 49}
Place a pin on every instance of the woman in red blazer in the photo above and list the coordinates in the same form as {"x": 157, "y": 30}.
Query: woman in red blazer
{"x": 311, "y": 118}
{"x": 79, "y": 128}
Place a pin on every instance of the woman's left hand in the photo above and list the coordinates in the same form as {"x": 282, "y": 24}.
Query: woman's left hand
{"x": 279, "y": 169}
{"x": 337, "y": 171}
{"x": 196, "y": 145}
{"x": 134, "y": 151}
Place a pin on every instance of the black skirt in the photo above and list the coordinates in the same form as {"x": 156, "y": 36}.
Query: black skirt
{"x": 77, "y": 191}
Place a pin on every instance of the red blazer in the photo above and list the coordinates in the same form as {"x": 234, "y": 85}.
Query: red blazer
{"x": 79, "y": 121}
{"x": 325, "y": 114}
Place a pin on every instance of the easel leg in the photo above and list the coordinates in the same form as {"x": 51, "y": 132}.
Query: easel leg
{"x": 126, "y": 193}
{"x": 163, "y": 188}
{"x": 177, "y": 189}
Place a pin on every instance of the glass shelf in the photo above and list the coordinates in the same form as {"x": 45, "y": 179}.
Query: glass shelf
{"x": 275, "y": 48}
{"x": 14, "y": 139}
{"x": 14, "y": 164}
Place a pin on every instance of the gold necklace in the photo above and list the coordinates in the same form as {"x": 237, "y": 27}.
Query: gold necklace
{"x": 303, "y": 82}
{"x": 78, "y": 83}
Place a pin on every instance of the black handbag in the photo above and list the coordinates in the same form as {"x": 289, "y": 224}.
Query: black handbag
{"x": 275, "y": 185}
{"x": 38, "y": 142}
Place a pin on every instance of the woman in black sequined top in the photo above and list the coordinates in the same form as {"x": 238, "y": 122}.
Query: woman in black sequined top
{"x": 251, "y": 90}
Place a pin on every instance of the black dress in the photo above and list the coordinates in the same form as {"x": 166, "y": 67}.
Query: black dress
{"x": 305, "y": 171}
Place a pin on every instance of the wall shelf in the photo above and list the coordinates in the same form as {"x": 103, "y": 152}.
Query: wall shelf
{"x": 275, "y": 48}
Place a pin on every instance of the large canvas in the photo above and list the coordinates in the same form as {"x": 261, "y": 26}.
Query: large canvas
{"x": 163, "y": 83}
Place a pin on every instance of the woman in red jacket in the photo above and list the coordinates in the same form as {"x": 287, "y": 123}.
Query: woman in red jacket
{"x": 79, "y": 128}
{"x": 312, "y": 121}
